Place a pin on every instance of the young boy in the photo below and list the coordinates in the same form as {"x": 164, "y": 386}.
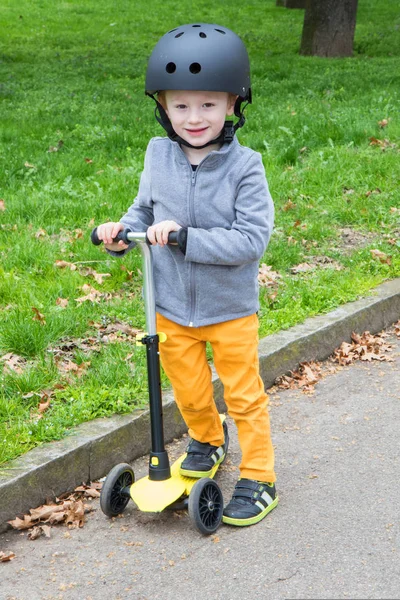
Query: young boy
{"x": 200, "y": 182}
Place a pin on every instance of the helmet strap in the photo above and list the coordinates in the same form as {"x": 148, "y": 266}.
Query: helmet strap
{"x": 225, "y": 137}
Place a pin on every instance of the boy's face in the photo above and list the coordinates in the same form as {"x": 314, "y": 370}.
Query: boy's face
{"x": 198, "y": 117}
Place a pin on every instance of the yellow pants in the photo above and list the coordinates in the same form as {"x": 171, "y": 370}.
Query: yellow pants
{"x": 235, "y": 350}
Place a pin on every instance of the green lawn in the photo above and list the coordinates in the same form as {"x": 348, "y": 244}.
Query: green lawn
{"x": 74, "y": 127}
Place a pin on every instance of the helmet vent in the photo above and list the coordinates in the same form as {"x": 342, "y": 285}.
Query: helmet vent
{"x": 202, "y": 34}
{"x": 196, "y": 25}
{"x": 220, "y": 31}
{"x": 172, "y": 30}
{"x": 171, "y": 67}
{"x": 179, "y": 34}
{"x": 195, "y": 68}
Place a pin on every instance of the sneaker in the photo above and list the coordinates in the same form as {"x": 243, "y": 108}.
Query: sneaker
{"x": 201, "y": 458}
{"x": 251, "y": 501}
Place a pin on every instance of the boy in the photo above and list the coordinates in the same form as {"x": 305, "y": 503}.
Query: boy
{"x": 200, "y": 182}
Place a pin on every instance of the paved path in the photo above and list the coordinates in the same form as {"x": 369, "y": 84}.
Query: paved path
{"x": 334, "y": 535}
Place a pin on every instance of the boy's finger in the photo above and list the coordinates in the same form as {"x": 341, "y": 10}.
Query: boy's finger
{"x": 116, "y": 230}
{"x": 150, "y": 235}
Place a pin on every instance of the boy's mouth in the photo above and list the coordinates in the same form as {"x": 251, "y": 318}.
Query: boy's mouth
{"x": 196, "y": 131}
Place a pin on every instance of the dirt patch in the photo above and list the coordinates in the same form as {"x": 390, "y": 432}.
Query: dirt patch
{"x": 350, "y": 239}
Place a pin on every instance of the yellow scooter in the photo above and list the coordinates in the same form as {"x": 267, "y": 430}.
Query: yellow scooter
{"x": 164, "y": 487}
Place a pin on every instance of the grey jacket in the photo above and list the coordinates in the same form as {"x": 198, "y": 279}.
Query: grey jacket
{"x": 227, "y": 208}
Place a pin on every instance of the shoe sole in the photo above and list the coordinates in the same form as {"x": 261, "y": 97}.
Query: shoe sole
{"x": 251, "y": 520}
{"x": 200, "y": 474}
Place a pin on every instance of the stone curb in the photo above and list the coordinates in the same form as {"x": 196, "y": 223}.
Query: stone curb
{"x": 95, "y": 447}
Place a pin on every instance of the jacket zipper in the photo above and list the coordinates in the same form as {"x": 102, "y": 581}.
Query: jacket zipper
{"x": 192, "y": 265}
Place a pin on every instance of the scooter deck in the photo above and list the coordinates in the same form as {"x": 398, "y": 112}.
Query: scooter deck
{"x": 155, "y": 496}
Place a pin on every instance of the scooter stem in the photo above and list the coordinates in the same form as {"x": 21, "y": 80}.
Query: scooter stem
{"x": 159, "y": 467}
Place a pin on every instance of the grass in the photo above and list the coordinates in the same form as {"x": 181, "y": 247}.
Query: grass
{"x": 74, "y": 128}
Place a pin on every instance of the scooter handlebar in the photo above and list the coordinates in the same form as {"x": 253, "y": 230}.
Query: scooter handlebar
{"x": 128, "y": 236}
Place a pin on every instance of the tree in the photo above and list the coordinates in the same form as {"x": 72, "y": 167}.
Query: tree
{"x": 291, "y": 3}
{"x": 328, "y": 28}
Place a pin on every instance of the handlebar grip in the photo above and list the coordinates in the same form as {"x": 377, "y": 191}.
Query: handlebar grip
{"x": 123, "y": 235}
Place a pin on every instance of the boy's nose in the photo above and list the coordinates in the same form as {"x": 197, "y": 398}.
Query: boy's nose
{"x": 194, "y": 117}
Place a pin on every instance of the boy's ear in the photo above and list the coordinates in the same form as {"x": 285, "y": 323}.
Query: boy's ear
{"x": 231, "y": 104}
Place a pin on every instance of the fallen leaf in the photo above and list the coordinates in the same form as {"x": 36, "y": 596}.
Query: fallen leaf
{"x": 87, "y": 271}
{"x": 38, "y": 316}
{"x": 13, "y": 362}
{"x": 29, "y": 166}
{"x": 60, "y": 144}
{"x": 2, "y": 205}
{"x": 39, "y": 530}
{"x": 6, "y": 557}
{"x": 289, "y": 205}
{"x": 381, "y": 256}
{"x": 267, "y": 277}
{"x": 305, "y": 377}
{"x": 62, "y": 302}
{"x": 21, "y": 524}
{"x": 375, "y": 191}
{"x": 302, "y": 268}
{"x": 365, "y": 347}
{"x": 63, "y": 264}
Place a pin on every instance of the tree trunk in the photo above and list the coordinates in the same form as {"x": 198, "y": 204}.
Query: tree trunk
{"x": 291, "y": 3}
{"x": 328, "y": 28}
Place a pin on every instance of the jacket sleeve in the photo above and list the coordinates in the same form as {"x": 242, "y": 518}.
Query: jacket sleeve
{"x": 140, "y": 215}
{"x": 248, "y": 237}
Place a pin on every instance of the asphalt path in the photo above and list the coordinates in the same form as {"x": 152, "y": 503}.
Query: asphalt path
{"x": 335, "y": 533}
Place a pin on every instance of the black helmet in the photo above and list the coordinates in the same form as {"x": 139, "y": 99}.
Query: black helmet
{"x": 200, "y": 57}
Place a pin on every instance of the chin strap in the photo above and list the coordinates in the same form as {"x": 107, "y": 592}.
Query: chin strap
{"x": 225, "y": 137}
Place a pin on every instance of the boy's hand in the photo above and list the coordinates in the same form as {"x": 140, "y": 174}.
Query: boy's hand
{"x": 158, "y": 234}
{"x": 107, "y": 232}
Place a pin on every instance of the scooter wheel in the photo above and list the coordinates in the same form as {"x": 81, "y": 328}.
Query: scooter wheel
{"x": 114, "y": 495}
{"x": 205, "y": 506}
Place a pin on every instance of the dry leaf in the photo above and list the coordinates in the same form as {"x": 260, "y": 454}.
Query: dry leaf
{"x": 289, "y": 205}
{"x": 62, "y": 302}
{"x": 381, "y": 256}
{"x": 63, "y": 264}
{"x": 305, "y": 377}
{"x": 60, "y": 144}
{"x": 375, "y": 191}
{"x": 39, "y": 530}
{"x": 92, "y": 295}
{"x": 365, "y": 347}
{"x": 302, "y": 268}
{"x": 87, "y": 271}
{"x": 76, "y": 515}
{"x": 2, "y": 205}
{"x": 38, "y": 316}
{"x": 267, "y": 277}
{"x": 29, "y": 166}
{"x": 21, "y": 524}
{"x": 6, "y": 557}
{"x": 13, "y": 362}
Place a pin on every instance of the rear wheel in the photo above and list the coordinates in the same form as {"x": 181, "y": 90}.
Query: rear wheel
{"x": 205, "y": 506}
{"x": 114, "y": 494}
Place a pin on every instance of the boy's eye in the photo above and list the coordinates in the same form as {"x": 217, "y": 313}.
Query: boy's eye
{"x": 181, "y": 106}
{"x": 208, "y": 104}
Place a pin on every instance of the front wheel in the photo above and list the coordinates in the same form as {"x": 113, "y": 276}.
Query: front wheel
{"x": 114, "y": 495}
{"x": 205, "y": 506}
